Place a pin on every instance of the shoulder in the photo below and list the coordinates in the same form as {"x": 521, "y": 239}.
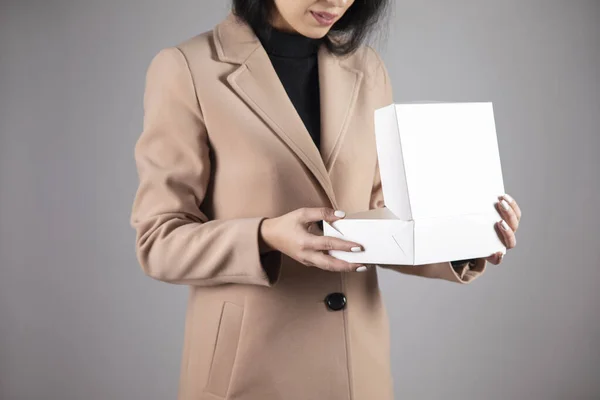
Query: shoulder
{"x": 366, "y": 60}
{"x": 182, "y": 54}
{"x": 170, "y": 68}
{"x": 201, "y": 44}
{"x": 376, "y": 79}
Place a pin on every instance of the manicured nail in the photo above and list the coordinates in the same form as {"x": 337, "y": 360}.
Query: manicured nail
{"x": 504, "y": 225}
{"x": 504, "y": 204}
{"x": 356, "y": 249}
{"x": 361, "y": 269}
{"x": 508, "y": 198}
{"x": 339, "y": 214}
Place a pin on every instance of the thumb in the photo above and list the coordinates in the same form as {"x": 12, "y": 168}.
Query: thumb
{"x": 310, "y": 215}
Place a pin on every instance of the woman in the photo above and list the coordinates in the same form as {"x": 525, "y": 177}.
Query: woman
{"x": 254, "y": 132}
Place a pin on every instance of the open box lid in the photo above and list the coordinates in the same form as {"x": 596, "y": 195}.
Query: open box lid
{"x": 438, "y": 159}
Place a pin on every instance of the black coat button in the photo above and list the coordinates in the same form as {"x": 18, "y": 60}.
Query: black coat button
{"x": 335, "y": 301}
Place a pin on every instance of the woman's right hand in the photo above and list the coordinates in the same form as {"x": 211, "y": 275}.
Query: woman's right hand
{"x": 297, "y": 235}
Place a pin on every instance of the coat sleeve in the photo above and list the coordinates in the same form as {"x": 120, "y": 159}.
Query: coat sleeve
{"x": 175, "y": 241}
{"x": 462, "y": 273}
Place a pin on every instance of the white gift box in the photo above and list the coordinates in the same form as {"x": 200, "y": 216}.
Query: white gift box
{"x": 441, "y": 177}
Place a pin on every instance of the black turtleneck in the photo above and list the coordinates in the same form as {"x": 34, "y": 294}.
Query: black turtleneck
{"x": 294, "y": 58}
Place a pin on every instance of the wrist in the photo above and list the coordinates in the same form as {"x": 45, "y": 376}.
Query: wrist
{"x": 264, "y": 242}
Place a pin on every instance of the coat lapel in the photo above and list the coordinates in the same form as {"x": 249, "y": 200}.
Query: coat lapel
{"x": 257, "y": 83}
{"x": 339, "y": 87}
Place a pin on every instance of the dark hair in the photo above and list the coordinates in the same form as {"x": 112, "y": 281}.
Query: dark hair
{"x": 345, "y": 36}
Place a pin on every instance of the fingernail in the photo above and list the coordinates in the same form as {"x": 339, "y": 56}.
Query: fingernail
{"x": 361, "y": 269}
{"x": 339, "y": 214}
{"x": 508, "y": 198}
{"x": 505, "y": 205}
{"x": 356, "y": 249}
{"x": 504, "y": 225}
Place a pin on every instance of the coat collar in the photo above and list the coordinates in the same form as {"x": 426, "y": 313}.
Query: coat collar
{"x": 257, "y": 83}
{"x": 234, "y": 40}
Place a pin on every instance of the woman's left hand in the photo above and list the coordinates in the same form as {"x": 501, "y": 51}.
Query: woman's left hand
{"x": 511, "y": 216}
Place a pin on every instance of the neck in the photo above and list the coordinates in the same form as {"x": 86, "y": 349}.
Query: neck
{"x": 287, "y": 44}
{"x": 277, "y": 22}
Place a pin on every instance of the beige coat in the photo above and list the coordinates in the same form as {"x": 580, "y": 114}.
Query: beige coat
{"x": 222, "y": 148}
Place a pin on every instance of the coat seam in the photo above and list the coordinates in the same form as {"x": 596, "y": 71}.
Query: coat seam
{"x": 236, "y": 359}
{"x": 212, "y": 358}
{"x": 346, "y": 341}
{"x": 191, "y": 76}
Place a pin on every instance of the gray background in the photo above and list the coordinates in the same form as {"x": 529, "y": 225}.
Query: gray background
{"x": 79, "y": 320}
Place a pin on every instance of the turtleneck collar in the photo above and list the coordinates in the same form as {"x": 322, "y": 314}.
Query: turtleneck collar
{"x": 289, "y": 45}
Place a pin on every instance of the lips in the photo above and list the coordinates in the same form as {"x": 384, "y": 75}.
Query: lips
{"x": 324, "y": 18}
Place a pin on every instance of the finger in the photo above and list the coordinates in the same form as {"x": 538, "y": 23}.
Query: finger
{"x": 309, "y": 215}
{"x": 326, "y": 243}
{"x": 506, "y": 234}
{"x": 329, "y": 263}
{"x": 513, "y": 204}
{"x": 496, "y": 258}
{"x": 508, "y": 214}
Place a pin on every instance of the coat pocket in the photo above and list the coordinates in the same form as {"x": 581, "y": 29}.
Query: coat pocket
{"x": 228, "y": 336}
